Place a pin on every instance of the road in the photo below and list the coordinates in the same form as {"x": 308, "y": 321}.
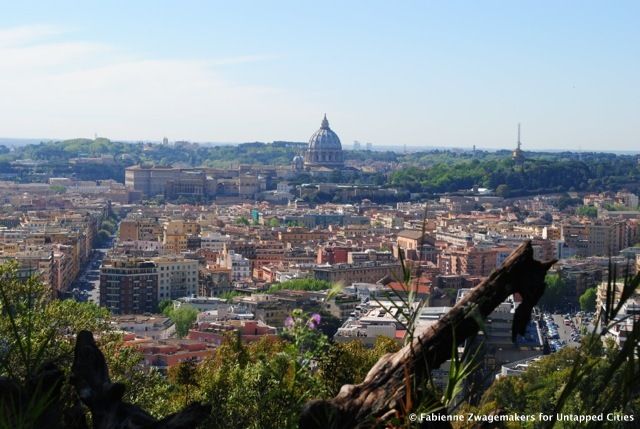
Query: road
{"x": 88, "y": 281}
{"x": 565, "y": 331}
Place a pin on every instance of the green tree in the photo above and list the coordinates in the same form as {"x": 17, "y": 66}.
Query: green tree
{"x": 103, "y": 236}
{"x": 588, "y": 211}
{"x": 261, "y": 385}
{"x": 58, "y": 189}
{"x": 588, "y": 300}
{"x": 273, "y": 222}
{"x": 37, "y": 330}
{"x": 242, "y": 221}
{"x": 556, "y": 293}
{"x": 145, "y": 387}
{"x": 164, "y": 304}
{"x": 349, "y": 363}
{"x": 301, "y": 284}
{"x": 108, "y": 226}
{"x": 185, "y": 376}
{"x": 228, "y": 296}
{"x": 183, "y": 317}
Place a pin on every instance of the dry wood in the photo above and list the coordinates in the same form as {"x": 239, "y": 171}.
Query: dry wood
{"x": 383, "y": 394}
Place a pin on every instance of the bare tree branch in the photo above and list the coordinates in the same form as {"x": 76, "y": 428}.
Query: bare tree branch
{"x": 383, "y": 394}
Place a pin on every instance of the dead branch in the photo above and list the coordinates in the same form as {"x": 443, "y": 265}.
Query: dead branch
{"x": 383, "y": 393}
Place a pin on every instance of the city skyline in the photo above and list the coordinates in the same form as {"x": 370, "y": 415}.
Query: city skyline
{"x": 420, "y": 75}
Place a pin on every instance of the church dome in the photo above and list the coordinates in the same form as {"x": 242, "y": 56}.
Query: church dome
{"x": 325, "y": 149}
{"x": 325, "y": 138}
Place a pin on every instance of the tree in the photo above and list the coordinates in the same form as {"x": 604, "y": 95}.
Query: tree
{"x": 229, "y": 295}
{"x": 274, "y": 222}
{"x": 502, "y": 191}
{"x": 183, "y": 317}
{"x": 37, "y": 331}
{"x": 58, "y": 189}
{"x": 546, "y": 216}
{"x": 103, "y": 236}
{"x": 588, "y": 211}
{"x": 164, "y": 304}
{"x": 242, "y": 221}
{"x": 108, "y": 226}
{"x": 556, "y": 293}
{"x": 185, "y": 376}
{"x": 301, "y": 284}
{"x": 588, "y": 300}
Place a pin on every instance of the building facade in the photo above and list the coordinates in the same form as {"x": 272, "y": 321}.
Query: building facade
{"x": 129, "y": 286}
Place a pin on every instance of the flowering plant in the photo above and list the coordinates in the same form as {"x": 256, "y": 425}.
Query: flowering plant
{"x": 301, "y": 329}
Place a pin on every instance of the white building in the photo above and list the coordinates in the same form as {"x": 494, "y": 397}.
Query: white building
{"x": 214, "y": 241}
{"x": 239, "y": 265}
{"x": 177, "y": 277}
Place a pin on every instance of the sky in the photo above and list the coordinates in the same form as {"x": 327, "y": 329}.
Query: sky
{"x": 416, "y": 73}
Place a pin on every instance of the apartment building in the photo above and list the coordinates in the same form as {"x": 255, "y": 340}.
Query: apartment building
{"x": 369, "y": 255}
{"x": 176, "y": 234}
{"x": 214, "y": 282}
{"x": 143, "y": 229}
{"x": 333, "y": 254}
{"x": 301, "y": 235}
{"x": 129, "y": 286}
{"x": 475, "y": 261}
{"x": 177, "y": 277}
{"x": 214, "y": 241}
{"x": 369, "y": 272}
{"x": 239, "y": 265}
{"x": 597, "y": 238}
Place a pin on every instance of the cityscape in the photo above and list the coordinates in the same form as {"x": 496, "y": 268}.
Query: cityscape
{"x": 311, "y": 281}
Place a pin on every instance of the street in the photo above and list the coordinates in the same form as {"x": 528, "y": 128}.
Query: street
{"x": 87, "y": 286}
{"x": 566, "y": 332}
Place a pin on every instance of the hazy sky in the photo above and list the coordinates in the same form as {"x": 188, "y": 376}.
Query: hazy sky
{"x": 445, "y": 73}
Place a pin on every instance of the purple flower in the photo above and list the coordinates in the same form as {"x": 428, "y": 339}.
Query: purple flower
{"x": 314, "y": 321}
{"x": 288, "y": 322}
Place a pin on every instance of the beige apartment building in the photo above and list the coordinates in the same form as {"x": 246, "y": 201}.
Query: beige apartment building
{"x": 176, "y": 233}
{"x": 145, "y": 229}
{"x": 597, "y": 238}
{"x": 177, "y": 277}
{"x": 369, "y": 272}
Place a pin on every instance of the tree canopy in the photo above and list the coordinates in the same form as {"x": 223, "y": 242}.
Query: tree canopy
{"x": 588, "y": 300}
{"x": 510, "y": 179}
{"x": 301, "y": 284}
{"x": 556, "y": 295}
{"x": 182, "y": 316}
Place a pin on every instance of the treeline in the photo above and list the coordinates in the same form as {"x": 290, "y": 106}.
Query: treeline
{"x": 433, "y": 171}
{"x": 185, "y": 153}
{"x": 533, "y": 176}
